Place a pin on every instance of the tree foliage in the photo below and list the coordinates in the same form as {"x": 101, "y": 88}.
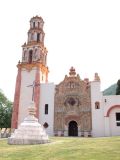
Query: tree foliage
{"x": 5, "y": 111}
{"x": 118, "y": 88}
{"x": 111, "y": 90}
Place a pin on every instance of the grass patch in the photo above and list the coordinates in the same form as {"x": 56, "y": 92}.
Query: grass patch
{"x": 62, "y": 148}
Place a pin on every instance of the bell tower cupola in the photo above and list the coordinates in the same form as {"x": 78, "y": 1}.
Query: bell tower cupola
{"x": 36, "y": 33}
{"x": 34, "y": 50}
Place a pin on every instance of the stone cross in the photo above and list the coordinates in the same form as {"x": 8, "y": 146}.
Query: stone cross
{"x": 33, "y": 86}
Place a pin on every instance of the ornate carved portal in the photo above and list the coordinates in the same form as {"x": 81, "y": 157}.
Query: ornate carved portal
{"x": 72, "y": 107}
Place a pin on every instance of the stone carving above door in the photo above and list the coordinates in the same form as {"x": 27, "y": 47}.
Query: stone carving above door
{"x": 72, "y": 102}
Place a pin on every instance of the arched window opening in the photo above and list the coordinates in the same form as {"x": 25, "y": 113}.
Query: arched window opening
{"x": 38, "y": 37}
{"x": 45, "y": 125}
{"x": 32, "y": 36}
{"x": 33, "y": 24}
{"x": 30, "y": 56}
{"x": 38, "y": 24}
{"x": 118, "y": 119}
{"x": 97, "y": 105}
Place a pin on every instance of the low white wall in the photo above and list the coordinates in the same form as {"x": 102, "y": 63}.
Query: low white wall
{"x": 111, "y": 129}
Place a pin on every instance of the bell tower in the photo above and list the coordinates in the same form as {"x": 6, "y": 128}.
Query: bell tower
{"x": 34, "y": 52}
{"x": 31, "y": 68}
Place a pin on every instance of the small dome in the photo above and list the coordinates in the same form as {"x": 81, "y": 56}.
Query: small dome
{"x": 37, "y": 18}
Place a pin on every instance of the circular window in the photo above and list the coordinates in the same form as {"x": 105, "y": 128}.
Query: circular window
{"x": 71, "y": 101}
{"x": 45, "y": 125}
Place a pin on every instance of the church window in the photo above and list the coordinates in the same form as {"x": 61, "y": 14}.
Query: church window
{"x": 117, "y": 116}
{"x": 118, "y": 123}
{"x": 38, "y": 24}
{"x": 71, "y": 101}
{"x": 46, "y": 108}
{"x": 97, "y": 105}
{"x": 118, "y": 119}
{"x": 30, "y": 56}
{"x": 45, "y": 125}
{"x": 33, "y": 24}
{"x": 32, "y": 36}
{"x": 38, "y": 37}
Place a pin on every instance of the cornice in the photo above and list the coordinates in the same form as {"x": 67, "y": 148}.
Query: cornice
{"x": 29, "y": 67}
{"x": 34, "y": 43}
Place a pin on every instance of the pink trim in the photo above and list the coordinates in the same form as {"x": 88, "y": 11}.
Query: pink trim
{"x": 14, "y": 122}
{"x": 111, "y": 108}
{"x": 46, "y": 78}
{"x": 37, "y": 92}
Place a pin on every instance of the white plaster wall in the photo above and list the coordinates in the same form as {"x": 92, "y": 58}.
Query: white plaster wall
{"x": 47, "y": 97}
{"x": 114, "y": 129}
{"x": 102, "y": 125}
{"x": 27, "y": 78}
{"x": 110, "y": 122}
{"x": 97, "y": 114}
{"x": 111, "y": 100}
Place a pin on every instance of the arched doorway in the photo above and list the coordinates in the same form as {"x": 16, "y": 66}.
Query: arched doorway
{"x": 72, "y": 129}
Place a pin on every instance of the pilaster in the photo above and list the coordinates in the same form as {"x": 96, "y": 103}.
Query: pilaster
{"x": 16, "y": 100}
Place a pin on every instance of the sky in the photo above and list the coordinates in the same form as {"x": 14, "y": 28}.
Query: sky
{"x": 84, "y": 34}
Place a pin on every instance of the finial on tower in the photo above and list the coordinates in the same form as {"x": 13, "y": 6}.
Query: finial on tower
{"x": 96, "y": 77}
{"x": 36, "y": 33}
{"x": 72, "y": 71}
{"x": 36, "y": 22}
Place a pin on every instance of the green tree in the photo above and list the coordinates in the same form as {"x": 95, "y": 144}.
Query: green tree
{"x": 118, "y": 88}
{"x": 5, "y": 111}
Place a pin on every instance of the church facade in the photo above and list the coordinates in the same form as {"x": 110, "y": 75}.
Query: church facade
{"x": 74, "y": 107}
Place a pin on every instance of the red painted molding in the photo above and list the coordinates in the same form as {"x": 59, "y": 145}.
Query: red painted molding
{"x": 37, "y": 92}
{"x": 15, "y": 111}
{"x": 111, "y": 108}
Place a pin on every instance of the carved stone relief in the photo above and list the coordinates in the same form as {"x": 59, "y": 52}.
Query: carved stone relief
{"x": 72, "y": 103}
